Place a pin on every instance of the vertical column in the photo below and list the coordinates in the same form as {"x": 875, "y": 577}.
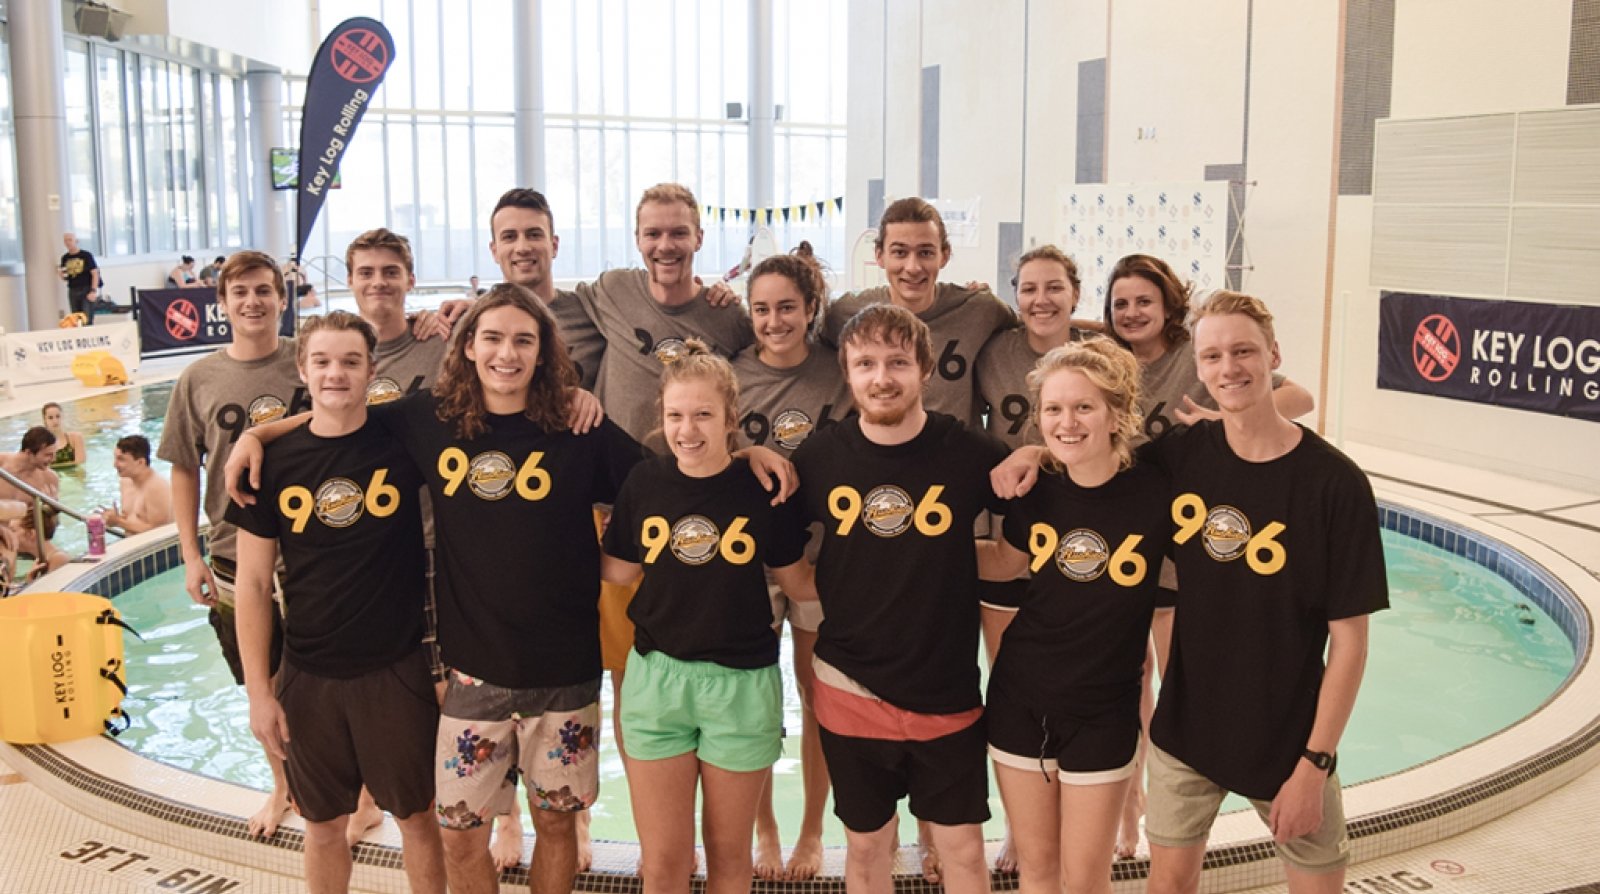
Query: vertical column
{"x": 763, "y": 116}
{"x": 527, "y": 51}
{"x": 269, "y": 209}
{"x": 39, "y": 103}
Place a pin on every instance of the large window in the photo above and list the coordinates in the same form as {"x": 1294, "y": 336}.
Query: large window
{"x": 636, "y": 92}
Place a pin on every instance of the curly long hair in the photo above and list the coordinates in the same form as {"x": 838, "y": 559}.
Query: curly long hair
{"x": 1110, "y": 368}
{"x": 460, "y": 393}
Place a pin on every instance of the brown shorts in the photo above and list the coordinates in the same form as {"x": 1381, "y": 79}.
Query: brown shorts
{"x": 376, "y": 730}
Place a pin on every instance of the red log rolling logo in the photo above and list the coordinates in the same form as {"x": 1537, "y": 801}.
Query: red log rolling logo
{"x": 1436, "y": 348}
{"x": 359, "y": 56}
{"x": 183, "y": 321}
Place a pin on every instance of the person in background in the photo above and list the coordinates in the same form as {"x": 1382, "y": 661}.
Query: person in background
{"x": 70, "y": 450}
{"x": 182, "y": 276}
{"x": 146, "y": 497}
{"x": 305, "y": 294}
{"x": 82, "y": 275}
{"x": 473, "y": 288}
{"x": 208, "y": 273}
{"x": 31, "y": 465}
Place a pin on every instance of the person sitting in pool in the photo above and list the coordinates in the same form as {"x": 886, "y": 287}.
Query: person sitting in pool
{"x": 146, "y": 497}
{"x": 1277, "y": 541}
{"x": 47, "y": 557}
{"x": 182, "y": 276}
{"x": 70, "y": 450}
{"x": 353, "y": 707}
{"x": 31, "y": 465}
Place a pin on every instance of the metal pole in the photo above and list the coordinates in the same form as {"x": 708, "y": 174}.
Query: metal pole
{"x": 39, "y": 105}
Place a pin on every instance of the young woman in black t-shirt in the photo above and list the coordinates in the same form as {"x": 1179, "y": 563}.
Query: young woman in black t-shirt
{"x": 1063, "y": 701}
{"x": 702, "y": 696}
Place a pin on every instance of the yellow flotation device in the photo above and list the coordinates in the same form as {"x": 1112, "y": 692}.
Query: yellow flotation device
{"x": 60, "y": 667}
{"x": 74, "y": 320}
{"x": 98, "y": 367}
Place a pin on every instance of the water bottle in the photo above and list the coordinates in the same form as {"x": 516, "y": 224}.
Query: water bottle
{"x": 97, "y": 535}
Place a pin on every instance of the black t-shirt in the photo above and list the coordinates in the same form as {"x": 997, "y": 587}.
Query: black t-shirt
{"x": 519, "y": 566}
{"x": 1076, "y": 647}
{"x": 704, "y": 543}
{"x": 79, "y": 266}
{"x": 898, "y": 574}
{"x": 346, "y": 515}
{"x": 1268, "y": 553}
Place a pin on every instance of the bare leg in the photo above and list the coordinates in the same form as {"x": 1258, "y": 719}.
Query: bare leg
{"x": 1035, "y": 803}
{"x": 995, "y": 622}
{"x": 1088, "y": 827}
{"x": 728, "y": 816}
{"x": 467, "y": 863}
{"x": 961, "y": 853}
{"x": 663, "y": 793}
{"x": 769, "y": 850}
{"x": 265, "y": 821}
{"x": 367, "y": 816}
{"x": 327, "y": 857}
{"x": 1175, "y": 870}
{"x": 869, "y": 860}
{"x": 422, "y": 849}
{"x": 507, "y": 846}
{"x": 1133, "y": 805}
{"x": 928, "y": 854}
{"x": 806, "y": 859}
{"x": 1303, "y": 882}
{"x": 555, "y": 852}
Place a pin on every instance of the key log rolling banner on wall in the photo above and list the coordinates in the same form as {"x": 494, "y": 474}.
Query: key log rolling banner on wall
{"x": 349, "y": 67}
{"x": 1539, "y": 357}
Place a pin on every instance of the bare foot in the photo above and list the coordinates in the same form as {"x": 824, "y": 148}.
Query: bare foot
{"x": 585, "y": 848}
{"x": 265, "y": 822}
{"x": 1006, "y": 860}
{"x": 507, "y": 845}
{"x": 931, "y": 870}
{"x": 367, "y": 816}
{"x": 805, "y": 861}
{"x": 1128, "y": 830}
{"x": 768, "y": 863}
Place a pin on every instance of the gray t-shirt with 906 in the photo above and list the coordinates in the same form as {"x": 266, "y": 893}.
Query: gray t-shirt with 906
{"x": 215, "y": 400}
{"x": 960, "y": 321}
{"x": 780, "y": 408}
{"x": 641, "y": 334}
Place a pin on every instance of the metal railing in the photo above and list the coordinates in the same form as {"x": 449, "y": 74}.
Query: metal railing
{"x": 42, "y": 499}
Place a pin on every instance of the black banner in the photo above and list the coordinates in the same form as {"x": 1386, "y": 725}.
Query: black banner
{"x": 348, "y": 69}
{"x": 187, "y": 321}
{"x": 1540, "y": 357}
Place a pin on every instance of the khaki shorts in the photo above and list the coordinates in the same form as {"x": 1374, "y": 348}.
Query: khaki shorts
{"x": 1183, "y": 804}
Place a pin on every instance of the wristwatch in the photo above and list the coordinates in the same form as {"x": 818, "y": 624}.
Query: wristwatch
{"x": 1322, "y": 760}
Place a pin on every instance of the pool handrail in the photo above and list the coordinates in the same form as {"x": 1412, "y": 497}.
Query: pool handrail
{"x": 40, "y": 498}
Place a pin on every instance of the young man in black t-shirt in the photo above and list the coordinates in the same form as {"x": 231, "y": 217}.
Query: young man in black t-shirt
{"x": 897, "y": 489}
{"x": 354, "y": 703}
{"x": 1277, "y": 542}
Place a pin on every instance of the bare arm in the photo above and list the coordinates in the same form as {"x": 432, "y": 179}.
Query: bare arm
{"x": 798, "y": 581}
{"x": 1292, "y": 400}
{"x": 1000, "y": 561}
{"x": 1297, "y": 810}
{"x": 257, "y": 556}
{"x": 771, "y": 468}
{"x": 1017, "y": 473}
{"x": 615, "y": 571}
{"x": 248, "y": 454}
{"x": 197, "y": 580}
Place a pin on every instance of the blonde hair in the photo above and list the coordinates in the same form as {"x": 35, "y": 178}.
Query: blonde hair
{"x": 698, "y": 363}
{"x": 1225, "y": 302}
{"x": 667, "y": 194}
{"x": 1110, "y": 368}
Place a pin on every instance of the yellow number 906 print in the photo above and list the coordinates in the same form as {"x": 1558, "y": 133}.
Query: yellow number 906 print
{"x": 888, "y": 511}
{"x": 695, "y": 540}
{"x": 338, "y": 502}
{"x": 492, "y": 476}
{"x": 1225, "y": 533}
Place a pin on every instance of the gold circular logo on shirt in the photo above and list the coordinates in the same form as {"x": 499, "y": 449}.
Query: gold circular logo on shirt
{"x": 669, "y": 349}
{"x": 1226, "y": 533}
{"x": 491, "y": 475}
{"x": 383, "y": 390}
{"x": 266, "y": 408}
{"x": 694, "y": 539}
{"x": 791, "y": 428}
{"x": 338, "y": 502}
{"x": 887, "y": 511}
{"x": 1082, "y": 555}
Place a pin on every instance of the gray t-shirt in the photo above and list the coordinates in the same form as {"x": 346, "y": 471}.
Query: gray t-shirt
{"x": 1003, "y": 367}
{"x": 405, "y": 366}
{"x": 585, "y": 345}
{"x": 780, "y": 408}
{"x": 1165, "y": 381}
{"x": 960, "y": 320}
{"x": 641, "y": 333}
{"x": 215, "y": 400}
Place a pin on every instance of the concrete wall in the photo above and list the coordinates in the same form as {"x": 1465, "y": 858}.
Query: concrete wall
{"x": 1263, "y": 87}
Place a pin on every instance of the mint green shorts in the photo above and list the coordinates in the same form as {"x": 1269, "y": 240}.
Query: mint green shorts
{"x": 728, "y": 717}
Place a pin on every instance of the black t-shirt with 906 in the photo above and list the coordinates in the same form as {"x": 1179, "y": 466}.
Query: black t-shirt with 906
{"x": 704, "y": 543}
{"x": 345, "y": 512}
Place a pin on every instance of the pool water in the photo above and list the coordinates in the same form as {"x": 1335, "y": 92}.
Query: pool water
{"x": 1460, "y": 655}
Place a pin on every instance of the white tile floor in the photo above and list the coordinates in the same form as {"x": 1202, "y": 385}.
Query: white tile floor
{"x": 1552, "y": 844}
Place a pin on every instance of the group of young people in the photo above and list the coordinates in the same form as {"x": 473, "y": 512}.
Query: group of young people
{"x": 880, "y": 400}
